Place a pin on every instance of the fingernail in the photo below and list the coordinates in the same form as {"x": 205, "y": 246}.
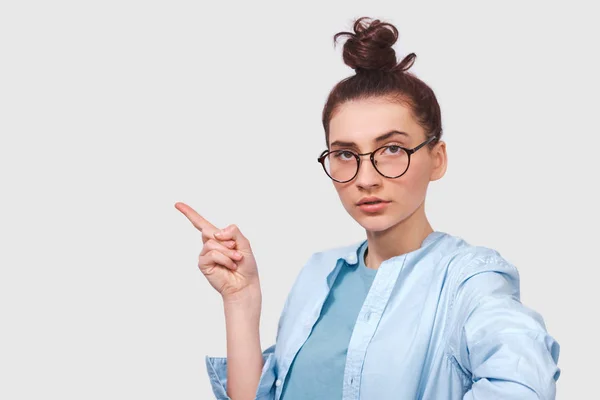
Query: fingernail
{"x": 237, "y": 254}
{"x": 218, "y": 234}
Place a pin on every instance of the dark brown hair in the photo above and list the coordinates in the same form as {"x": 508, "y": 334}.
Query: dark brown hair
{"x": 368, "y": 50}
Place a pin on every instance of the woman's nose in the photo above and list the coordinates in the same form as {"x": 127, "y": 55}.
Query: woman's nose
{"x": 367, "y": 174}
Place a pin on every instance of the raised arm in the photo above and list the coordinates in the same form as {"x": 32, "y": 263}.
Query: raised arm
{"x": 500, "y": 343}
{"x": 242, "y": 321}
{"x": 227, "y": 262}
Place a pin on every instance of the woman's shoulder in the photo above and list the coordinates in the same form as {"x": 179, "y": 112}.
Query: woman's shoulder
{"x": 323, "y": 261}
{"x": 454, "y": 247}
{"x": 456, "y": 255}
{"x": 464, "y": 259}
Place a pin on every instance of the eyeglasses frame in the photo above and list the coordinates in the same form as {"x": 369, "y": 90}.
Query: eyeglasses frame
{"x": 371, "y": 154}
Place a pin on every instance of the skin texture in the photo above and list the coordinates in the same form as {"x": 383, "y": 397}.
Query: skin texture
{"x": 402, "y": 226}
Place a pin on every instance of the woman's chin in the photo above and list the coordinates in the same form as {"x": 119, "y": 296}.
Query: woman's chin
{"x": 375, "y": 223}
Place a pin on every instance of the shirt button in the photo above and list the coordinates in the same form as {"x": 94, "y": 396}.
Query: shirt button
{"x": 278, "y": 382}
{"x": 352, "y": 258}
{"x": 367, "y": 315}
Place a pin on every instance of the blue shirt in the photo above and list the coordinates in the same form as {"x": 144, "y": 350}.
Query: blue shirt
{"x": 440, "y": 322}
{"x": 322, "y": 358}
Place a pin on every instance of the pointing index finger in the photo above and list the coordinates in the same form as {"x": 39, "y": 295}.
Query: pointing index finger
{"x": 196, "y": 219}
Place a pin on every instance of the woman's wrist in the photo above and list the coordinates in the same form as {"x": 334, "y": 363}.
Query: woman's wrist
{"x": 245, "y": 300}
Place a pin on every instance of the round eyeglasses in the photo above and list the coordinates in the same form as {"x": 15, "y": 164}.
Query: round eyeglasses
{"x": 391, "y": 161}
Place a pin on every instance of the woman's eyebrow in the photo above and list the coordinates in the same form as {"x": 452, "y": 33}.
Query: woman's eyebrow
{"x": 376, "y": 140}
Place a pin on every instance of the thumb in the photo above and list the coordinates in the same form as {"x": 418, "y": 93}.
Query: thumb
{"x": 232, "y": 232}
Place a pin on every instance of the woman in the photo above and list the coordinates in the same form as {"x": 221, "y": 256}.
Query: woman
{"x": 408, "y": 313}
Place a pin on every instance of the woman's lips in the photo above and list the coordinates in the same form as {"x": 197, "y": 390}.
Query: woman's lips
{"x": 375, "y": 207}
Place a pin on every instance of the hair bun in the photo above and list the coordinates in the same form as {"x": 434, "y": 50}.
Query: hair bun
{"x": 369, "y": 47}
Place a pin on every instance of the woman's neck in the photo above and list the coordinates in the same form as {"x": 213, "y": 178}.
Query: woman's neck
{"x": 402, "y": 238}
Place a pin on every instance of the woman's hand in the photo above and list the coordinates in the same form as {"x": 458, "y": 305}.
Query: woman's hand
{"x": 226, "y": 259}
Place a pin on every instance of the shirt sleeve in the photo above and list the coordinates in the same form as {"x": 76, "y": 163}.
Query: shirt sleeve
{"x": 501, "y": 344}
{"x": 217, "y": 373}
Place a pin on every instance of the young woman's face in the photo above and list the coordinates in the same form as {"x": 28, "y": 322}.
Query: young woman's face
{"x": 361, "y": 122}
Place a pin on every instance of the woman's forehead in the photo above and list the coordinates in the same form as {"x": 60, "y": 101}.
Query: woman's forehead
{"x": 362, "y": 121}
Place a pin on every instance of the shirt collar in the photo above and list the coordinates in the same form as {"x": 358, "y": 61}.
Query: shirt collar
{"x": 349, "y": 253}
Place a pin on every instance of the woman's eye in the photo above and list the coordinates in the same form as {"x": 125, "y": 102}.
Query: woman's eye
{"x": 344, "y": 155}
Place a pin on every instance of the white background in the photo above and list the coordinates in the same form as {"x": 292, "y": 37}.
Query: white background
{"x": 112, "y": 111}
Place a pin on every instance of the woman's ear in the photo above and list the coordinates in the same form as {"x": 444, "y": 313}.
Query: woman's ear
{"x": 440, "y": 161}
